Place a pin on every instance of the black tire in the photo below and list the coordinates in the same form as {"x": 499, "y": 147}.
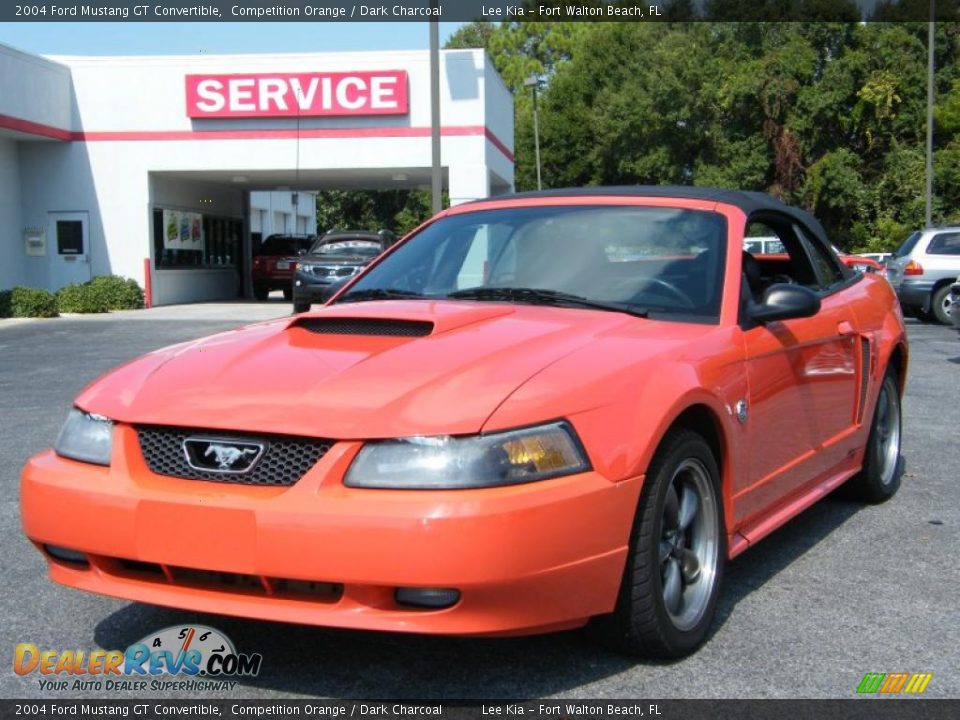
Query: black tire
{"x": 938, "y": 305}
{"x": 288, "y": 294}
{"x": 641, "y": 623}
{"x": 301, "y": 307}
{"x": 261, "y": 292}
{"x": 879, "y": 479}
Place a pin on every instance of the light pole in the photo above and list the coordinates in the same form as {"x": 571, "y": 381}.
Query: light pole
{"x": 436, "y": 179}
{"x": 930, "y": 80}
{"x": 533, "y": 82}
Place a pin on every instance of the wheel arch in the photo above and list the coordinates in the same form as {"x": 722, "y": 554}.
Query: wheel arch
{"x": 705, "y": 420}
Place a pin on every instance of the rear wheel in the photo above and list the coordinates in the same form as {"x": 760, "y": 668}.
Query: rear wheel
{"x": 261, "y": 292}
{"x": 288, "y": 294}
{"x": 669, "y": 591}
{"x": 301, "y": 307}
{"x": 940, "y": 305}
{"x": 882, "y": 463}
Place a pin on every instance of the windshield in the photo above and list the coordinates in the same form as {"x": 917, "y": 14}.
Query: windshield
{"x": 284, "y": 245}
{"x": 365, "y": 248}
{"x": 655, "y": 260}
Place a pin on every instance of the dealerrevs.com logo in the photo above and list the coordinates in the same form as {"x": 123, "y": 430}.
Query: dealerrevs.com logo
{"x": 182, "y": 657}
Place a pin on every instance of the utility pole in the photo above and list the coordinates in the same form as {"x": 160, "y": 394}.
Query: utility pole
{"x": 436, "y": 178}
{"x": 533, "y": 82}
{"x": 930, "y": 80}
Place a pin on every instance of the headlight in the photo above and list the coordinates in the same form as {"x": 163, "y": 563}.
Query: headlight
{"x": 86, "y": 437}
{"x": 505, "y": 458}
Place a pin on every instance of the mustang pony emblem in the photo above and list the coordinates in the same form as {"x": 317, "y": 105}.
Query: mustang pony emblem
{"x": 227, "y": 455}
{"x": 223, "y": 455}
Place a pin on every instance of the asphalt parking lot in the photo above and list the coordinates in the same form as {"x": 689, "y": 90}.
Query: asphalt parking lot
{"x": 842, "y": 590}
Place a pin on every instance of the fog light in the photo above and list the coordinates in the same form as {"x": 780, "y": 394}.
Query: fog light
{"x": 66, "y": 555}
{"x": 427, "y": 597}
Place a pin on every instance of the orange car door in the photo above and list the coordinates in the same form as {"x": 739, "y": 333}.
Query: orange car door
{"x": 802, "y": 387}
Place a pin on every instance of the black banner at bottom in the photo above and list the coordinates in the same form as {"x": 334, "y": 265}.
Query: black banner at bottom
{"x": 872, "y": 708}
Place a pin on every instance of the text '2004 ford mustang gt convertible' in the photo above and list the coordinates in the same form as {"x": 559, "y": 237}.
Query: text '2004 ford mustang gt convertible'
{"x": 532, "y": 413}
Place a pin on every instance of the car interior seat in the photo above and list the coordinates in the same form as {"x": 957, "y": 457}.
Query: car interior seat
{"x": 753, "y": 277}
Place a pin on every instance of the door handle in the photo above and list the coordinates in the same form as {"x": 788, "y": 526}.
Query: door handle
{"x": 845, "y": 328}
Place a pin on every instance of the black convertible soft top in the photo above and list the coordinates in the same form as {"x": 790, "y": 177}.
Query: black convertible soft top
{"x": 749, "y": 201}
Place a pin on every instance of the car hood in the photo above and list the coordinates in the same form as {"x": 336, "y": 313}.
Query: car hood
{"x": 286, "y": 377}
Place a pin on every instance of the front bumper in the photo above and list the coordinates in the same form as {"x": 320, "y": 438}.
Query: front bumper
{"x": 527, "y": 558}
{"x": 311, "y": 290}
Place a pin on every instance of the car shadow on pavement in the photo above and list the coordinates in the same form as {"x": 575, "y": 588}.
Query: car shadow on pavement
{"x": 355, "y": 664}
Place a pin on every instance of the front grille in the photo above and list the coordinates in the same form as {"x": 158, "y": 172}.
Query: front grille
{"x": 365, "y": 326}
{"x": 285, "y": 460}
{"x": 331, "y": 271}
{"x": 229, "y": 582}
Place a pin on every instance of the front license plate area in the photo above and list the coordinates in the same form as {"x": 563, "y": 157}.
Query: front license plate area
{"x": 196, "y": 536}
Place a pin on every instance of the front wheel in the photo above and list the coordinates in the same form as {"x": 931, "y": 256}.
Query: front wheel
{"x": 301, "y": 307}
{"x": 668, "y": 595}
{"x": 879, "y": 479}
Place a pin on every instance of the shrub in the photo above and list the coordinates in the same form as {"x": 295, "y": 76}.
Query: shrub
{"x": 5, "y": 310}
{"x": 119, "y": 293}
{"x": 32, "y": 302}
{"x": 103, "y": 293}
{"x": 79, "y": 298}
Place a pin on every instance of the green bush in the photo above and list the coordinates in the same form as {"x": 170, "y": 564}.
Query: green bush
{"x": 81, "y": 298}
{"x": 119, "y": 293}
{"x": 102, "y": 294}
{"x": 5, "y": 310}
{"x": 32, "y": 302}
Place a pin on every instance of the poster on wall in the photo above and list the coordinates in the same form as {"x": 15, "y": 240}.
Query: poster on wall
{"x": 182, "y": 230}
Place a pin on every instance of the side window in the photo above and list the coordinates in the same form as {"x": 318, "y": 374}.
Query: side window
{"x": 828, "y": 267}
{"x": 778, "y": 256}
{"x": 944, "y": 244}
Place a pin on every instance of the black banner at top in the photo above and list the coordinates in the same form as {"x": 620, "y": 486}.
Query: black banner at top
{"x": 482, "y": 10}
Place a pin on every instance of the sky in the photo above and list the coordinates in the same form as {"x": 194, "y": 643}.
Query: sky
{"x": 134, "y": 38}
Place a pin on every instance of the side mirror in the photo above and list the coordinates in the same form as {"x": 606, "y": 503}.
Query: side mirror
{"x": 785, "y": 302}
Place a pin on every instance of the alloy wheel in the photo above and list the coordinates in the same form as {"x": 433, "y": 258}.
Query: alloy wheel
{"x": 689, "y": 544}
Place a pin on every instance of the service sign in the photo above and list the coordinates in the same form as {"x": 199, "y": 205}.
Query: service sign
{"x": 381, "y": 92}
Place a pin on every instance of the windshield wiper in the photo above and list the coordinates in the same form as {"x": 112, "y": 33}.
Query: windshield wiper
{"x": 379, "y": 294}
{"x": 537, "y": 296}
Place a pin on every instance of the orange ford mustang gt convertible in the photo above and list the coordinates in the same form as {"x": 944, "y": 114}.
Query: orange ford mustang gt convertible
{"x": 532, "y": 413}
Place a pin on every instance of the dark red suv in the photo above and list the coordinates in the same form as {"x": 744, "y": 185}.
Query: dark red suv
{"x": 272, "y": 267}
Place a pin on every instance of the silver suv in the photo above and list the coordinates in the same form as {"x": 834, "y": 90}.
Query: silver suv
{"x": 922, "y": 271}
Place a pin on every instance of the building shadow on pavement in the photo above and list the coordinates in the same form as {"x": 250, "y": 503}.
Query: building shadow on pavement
{"x": 355, "y": 664}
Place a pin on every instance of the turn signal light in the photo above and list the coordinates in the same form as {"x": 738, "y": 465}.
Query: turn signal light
{"x": 913, "y": 268}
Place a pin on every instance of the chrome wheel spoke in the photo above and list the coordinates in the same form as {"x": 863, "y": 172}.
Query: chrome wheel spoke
{"x": 672, "y": 586}
{"x": 671, "y": 510}
{"x": 689, "y": 505}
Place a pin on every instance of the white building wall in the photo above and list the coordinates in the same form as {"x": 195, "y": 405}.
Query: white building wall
{"x": 12, "y": 253}
{"x": 34, "y": 89}
{"x": 273, "y": 212}
{"x": 126, "y": 126}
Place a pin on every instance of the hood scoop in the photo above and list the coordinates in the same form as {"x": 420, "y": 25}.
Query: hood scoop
{"x": 382, "y": 327}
